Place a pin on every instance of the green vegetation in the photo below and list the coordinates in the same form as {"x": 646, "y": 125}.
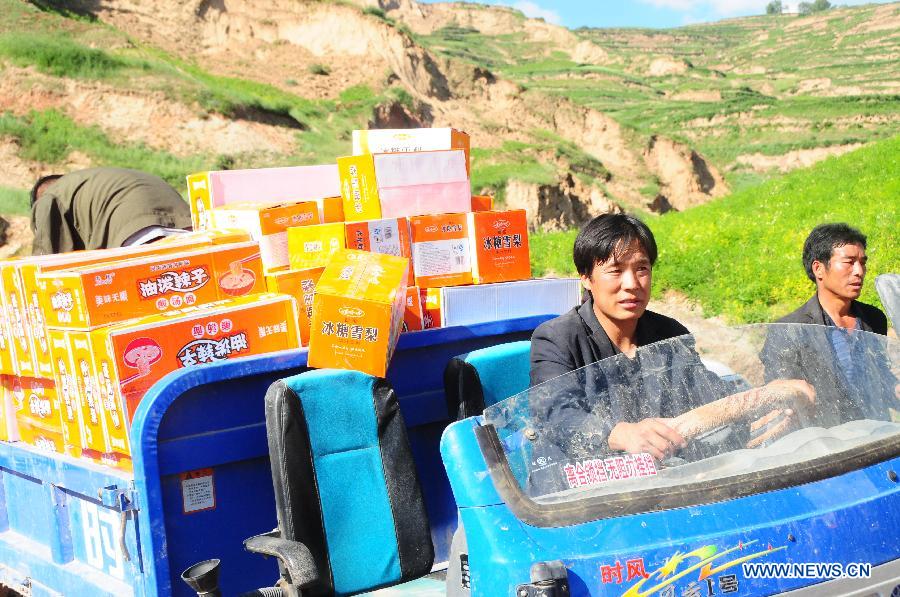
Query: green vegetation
{"x": 49, "y": 136}
{"x": 59, "y": 56}
{"x": 318, "y": 69}
{"x": 740, "y": 255}
{"x": 14, "y": 202}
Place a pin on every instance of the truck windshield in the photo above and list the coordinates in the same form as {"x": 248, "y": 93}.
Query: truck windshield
{"x": 763, "y": 404}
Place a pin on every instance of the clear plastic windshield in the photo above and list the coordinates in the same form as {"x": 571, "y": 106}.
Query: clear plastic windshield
{"x": 752, "y": 399}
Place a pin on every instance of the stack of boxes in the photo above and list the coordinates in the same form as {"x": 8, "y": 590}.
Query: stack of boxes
{"x": 340, "y": 258}
{"x": 94, "y": 330}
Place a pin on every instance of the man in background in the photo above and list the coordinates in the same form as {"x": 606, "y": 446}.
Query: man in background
{"x": 852, "y": 380}
{"x": 100, "y": 208}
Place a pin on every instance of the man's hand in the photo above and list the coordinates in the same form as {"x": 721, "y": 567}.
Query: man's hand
{"x": 777, "y": 430}
{"x": 653, "y": 436}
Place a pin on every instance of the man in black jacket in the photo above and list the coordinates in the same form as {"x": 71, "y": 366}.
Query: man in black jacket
{"x": 850, "y": 383}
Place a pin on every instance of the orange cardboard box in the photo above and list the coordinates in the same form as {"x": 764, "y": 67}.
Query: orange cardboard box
{"x": 37, "y": 413}
{"x": 267, "y": 224}
{"x": 331, "y": 209}
{"x": 32, "y": 287}
{"x": 90, "y": 296}
{"x": 413, "y": 313}
{"x": 301, "y": 285}
{"x": 388, "y": 237}
{"x": 70, "y": 398}
{"x": 499, "y": 241}
{"x": 358, "y": 311}
{"x": 440, "y": 249}
{"x": 312, "y": 246}
{"x": 132, "y": 356}
{"x": 431, "y": 308}
{"x": 482, "y": 203}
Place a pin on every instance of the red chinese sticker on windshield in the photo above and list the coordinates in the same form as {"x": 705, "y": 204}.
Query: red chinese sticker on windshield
{"x": 584, "y": 473}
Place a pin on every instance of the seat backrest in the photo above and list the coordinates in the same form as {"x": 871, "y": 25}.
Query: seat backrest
{"x": 483, "y": 377}
{"x": 345, "y": 482}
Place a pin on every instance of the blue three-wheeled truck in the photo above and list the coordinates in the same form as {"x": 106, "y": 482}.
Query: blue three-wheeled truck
{"x": 452, "y": 476}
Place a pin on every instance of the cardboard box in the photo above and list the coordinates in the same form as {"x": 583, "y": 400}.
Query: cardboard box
{"x": 388, "y": 237}
{"x": 95, "y": 416}
{"x": 95, "y": 295}
{"x": 130, "y": 357}
{"x": 358, "y": 311}
{"x": 31, "y": 287}
{"x": 499, "y": 242}
{"x": 466, "y": 305}
{"x": 409, "y": 140}
{"x": 70, "y": 398}
{"x": 331, "y": 209}
{"x": 7, "y": 322}
{"x": 393, "y": 185}
{"x": 441, "y": 251}
{"x": 267, "y": 224}
{"x": 301, "y": 285}
{"x": 21, "y": 350}
{"x": 37, "y": 413}
{"x": 312, "y": 246}
{"x": 9, "y": 431}
{"x": 207, "y": 190}
{"x": 431, "y": 308}
{"x": 482, "y": 203}
{"x": 413, "y": 314}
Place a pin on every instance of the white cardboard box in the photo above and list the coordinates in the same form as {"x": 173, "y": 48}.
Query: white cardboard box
{"x": 466, "y": 305}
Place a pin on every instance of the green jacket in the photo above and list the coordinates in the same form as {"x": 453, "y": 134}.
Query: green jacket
{"x": 100, "y": 208}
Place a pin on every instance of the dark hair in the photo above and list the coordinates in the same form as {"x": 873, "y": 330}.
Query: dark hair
{"x": 824, "y": 239}
{"x": 607, "y": 236}
{"x": 38, "y": 187}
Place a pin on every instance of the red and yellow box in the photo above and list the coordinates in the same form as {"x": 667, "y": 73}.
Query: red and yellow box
{"x": 130, "y": 357}
{"x": 413, "y": 314}
{"x": 38, "y": 413}
{"x": 267, "y": 224}
{"x": 312, "y": 246}
{"x": 301, "y": 285}
{"x": 358, "y": 312}
{"x": 499, "y": 241}
{"x": 431, "y": 308}
{"x": 95, "y": 295}
{"x": 440, "y": 249}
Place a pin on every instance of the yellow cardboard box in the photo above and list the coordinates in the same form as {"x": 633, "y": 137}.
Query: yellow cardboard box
{"x": 37, "y": 413}
{"x": 94, "y": 295}
{"x": 312, "y": 246}
{"x": 301, "y": 285}
{"x": 267, "y": 224}
{"x": 132, "y": 356}
{"x": 359, "y": 189}
{"x": 70, "y": 398}
{"x": 358, "y": 311}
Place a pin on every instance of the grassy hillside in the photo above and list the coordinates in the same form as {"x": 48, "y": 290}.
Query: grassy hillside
{"x": 768, "y": 84}
{"x": 740, "y": 256}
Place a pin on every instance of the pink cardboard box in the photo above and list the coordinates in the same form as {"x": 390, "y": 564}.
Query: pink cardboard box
{"x": 207, "y": 190}
{"x": 422, "y": 183}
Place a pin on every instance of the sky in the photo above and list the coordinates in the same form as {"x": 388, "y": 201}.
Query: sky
{"x": 643, "y": 13}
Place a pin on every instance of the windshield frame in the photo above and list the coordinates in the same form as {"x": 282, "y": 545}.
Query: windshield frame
{"x": 588, "y": 508}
